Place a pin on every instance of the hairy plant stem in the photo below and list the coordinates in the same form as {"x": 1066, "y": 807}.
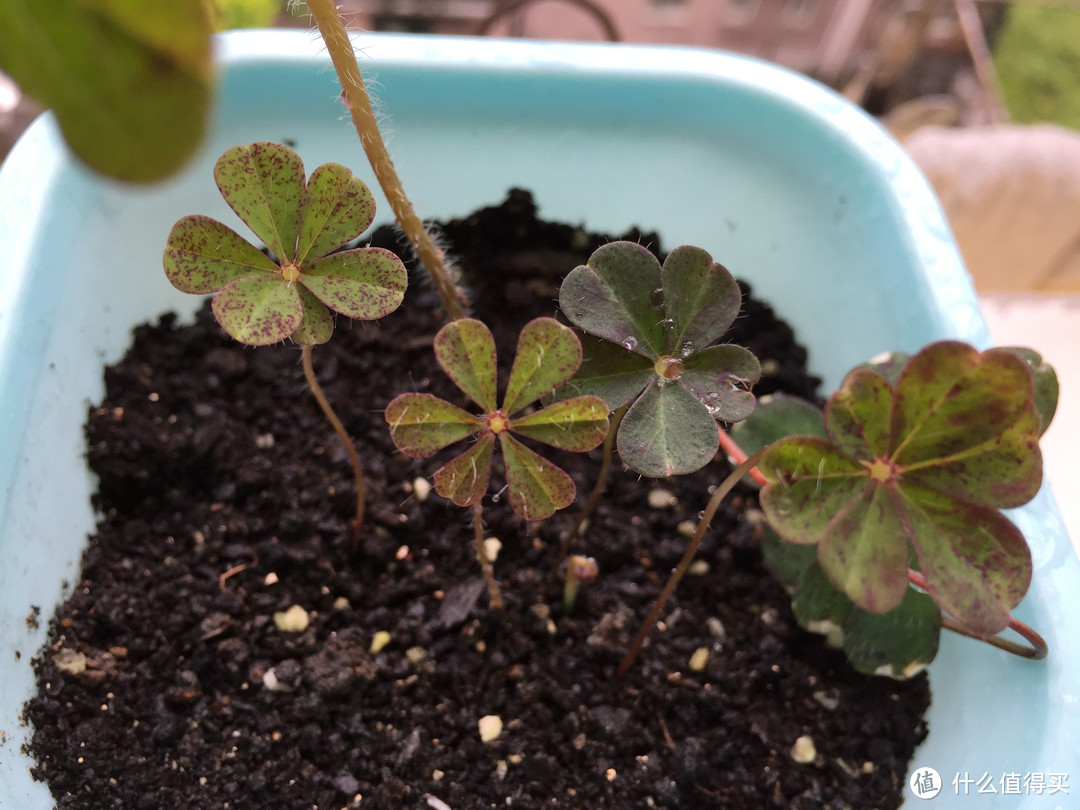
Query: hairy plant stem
{"x": 332, "y": 28}
{"x": 1036, "y": 651}
{"x": 339, "y": 428}
{"x": 494, "y": 594}
{"x": 687, "y": 558}
{"x": 598, "y": 488}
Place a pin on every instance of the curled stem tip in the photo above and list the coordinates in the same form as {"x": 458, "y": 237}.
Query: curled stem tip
{"x": 1037, "y": 650}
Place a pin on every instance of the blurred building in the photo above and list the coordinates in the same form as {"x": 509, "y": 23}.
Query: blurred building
{"x": 912, "y": 47}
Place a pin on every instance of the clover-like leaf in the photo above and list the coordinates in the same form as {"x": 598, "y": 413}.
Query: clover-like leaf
{"x": 923, "y": 466}
{"x": 548, "y": 353}
{"x": 776, "y": 416}
{"x": 421, "y": 424}
{"x": 337, "y": 207}
{"x": 131, "y": 84}
{"x": 1047, "y": 387}
{"x": 203, "y": 255}
{"x": 654, "y": 331}
{"x": 263, "y": 183}
{"x": 898, "y": 644}
{"x": 261, "y": 301}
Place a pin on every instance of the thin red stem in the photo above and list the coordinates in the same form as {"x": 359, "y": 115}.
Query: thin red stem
{"x": 687, "y": 558}
{"x": 350, "y": 448}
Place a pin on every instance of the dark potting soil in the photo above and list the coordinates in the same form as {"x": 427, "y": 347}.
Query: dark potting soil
{"x": 225, "y": 499}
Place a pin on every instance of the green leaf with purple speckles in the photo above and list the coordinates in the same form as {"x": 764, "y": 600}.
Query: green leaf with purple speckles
{"x": 536, "y": 488}
{"x": 465, "y": 350}
{"x": 421, "y": 424}
{"x": 464, "y": 479}
{"x": 578, "y": 424}
{"x": 364, "y": 283}
{"x": 258, "y": 310}
{"x": 202, "y": 256}
{"x": 264, "y": 184}
{"x": 973, "y": 431}
{"x": 336, "y": 208}
{"x": 548, "y": 354}
{"x": 316, "y": 323}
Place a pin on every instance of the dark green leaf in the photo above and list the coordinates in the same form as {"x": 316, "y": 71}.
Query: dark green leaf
{"x": 785, "y": 560}
{"x": 701, "y": 300}
{"x": 421, "y": 424}
{"x": 817, "y": 605}
{"x": 776, "y": 416}
{"x": 608, "y": 371}
{"x": 130, "y": 82}
{"x": 616, "y": 296}
{"x": 667, "y": 431}
{"x": 1046, "y": 385}
{"x": 720, "y": 377}
{"x": 888, "y": 365}
{"x": 466, "y": 351}
{"x": 900, "y": 643}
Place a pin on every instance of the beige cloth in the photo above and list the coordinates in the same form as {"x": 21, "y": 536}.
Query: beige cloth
{"x": 1012, "y": 196}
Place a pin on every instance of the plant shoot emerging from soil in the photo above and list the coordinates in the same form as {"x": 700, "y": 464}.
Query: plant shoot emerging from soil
{"x": 259, "y": 300}
{"x": 650, "y": 335}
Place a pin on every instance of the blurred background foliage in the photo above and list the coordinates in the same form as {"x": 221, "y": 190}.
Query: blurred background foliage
{"x": 1037, "y": 56}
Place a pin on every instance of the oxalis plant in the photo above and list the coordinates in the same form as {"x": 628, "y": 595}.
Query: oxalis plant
{"x": 885, "y": 512}
{"x": 260, "y": 299}
{"x": 548, "y": 354}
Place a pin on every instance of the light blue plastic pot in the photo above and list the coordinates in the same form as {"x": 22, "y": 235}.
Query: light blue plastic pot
{"x": 785, "y": 183}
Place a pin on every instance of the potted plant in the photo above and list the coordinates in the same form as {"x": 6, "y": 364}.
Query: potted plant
{"x": 790, "y": 183}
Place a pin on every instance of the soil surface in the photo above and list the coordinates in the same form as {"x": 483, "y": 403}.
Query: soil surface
{"x": 226, "y": 500}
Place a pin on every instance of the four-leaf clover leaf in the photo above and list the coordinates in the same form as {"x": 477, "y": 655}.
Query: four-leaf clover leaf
{"x": 921, "y": 465}
{"x": 654, "y": 332}
{"x": 260, "y": 301}
{"x": 548, "y": 354}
